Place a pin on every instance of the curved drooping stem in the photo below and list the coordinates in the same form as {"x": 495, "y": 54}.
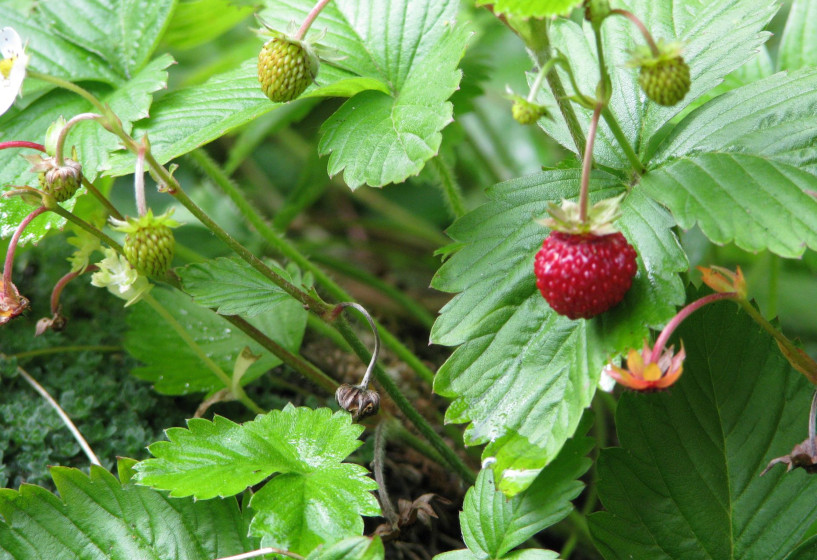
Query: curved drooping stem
{"x": 641, "y": 27}
{"x": 59, "y": 150}
{"x": 310, "y": 18}
{"x": 367, "y": 377}
{"x": 587, "y": 161}
{"x": 15, "y": 239}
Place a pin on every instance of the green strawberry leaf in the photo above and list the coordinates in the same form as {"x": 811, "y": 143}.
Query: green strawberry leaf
{"x": 773, "y": 117}
{"x": 353, "y": 548}
{"x": 532, "y": 8}
{"x": 745, "y": 199}
{"x": 805, "y": 551}
{"x": 492, "y": 524}
{"x": 798, "y": 45}
{"x": 235, "y": 288}
{"x": 124, "y": 34}
{"x": 523, "y": 375}
{"x": 718, "y": 38}
{"x": 315, "y": 498}
{"x": 196, "y": 22}
{"x": 414, "y": 48}
{"x": 177, "y": 369}
{"x": 97, "y": 518}
{"x": 684, "y": 484}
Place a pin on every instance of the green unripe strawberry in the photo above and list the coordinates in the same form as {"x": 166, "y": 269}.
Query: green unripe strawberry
{"x": 596, "y": 10}
{"x": 286, "y": 67}
{"x": 149, "y": 244}
{"x": 663, "y": 77}
{"x": 525, "y": 112}
{"x": 60, "y": 181}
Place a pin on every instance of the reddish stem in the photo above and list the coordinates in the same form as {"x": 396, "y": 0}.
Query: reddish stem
{"x": 587, "y": 162}
{"x": 641, "y": 27}
{"x": 310, "y": 17}
{"x": 62, "y": 282}
{"x": 13, "y": 246}
{"x": 683, "y": 314}
{"x": 22, "y": 144}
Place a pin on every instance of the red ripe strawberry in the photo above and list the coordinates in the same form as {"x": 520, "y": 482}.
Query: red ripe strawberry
{"x": 584, "y": 268}
{"x": 583, "y": 275}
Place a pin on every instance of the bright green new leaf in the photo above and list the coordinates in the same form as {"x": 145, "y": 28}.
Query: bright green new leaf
{"x": 97, "y": 518}
{"x": 532, "y": 8}
{"x": 235, "y": 288}
{"x": 522, "y": 374}
{"x": 773, "y": 118}
{"x": 412, "y": 46}
{"x": 755, "y": 202}
{"x": 353, "y": 548}
{"x": 492, "y": 525}
{"x": 684, "y": 484}
{"x": 176, "y": 369}
{"x": 314, "y": 499}
{"x": 196, "y": 22}
{"x": 798, "y": 45}
{"x": 718, "y": 37}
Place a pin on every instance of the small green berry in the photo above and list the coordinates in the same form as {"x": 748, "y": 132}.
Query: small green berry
{"x": 149, "y": 244}
{"x": 596, "y": 10}
{"x": 61, "y": 182}
{"x": 664, "y": 77}
{"x": 525, "y": 112}
{"x": 285, "y": 68}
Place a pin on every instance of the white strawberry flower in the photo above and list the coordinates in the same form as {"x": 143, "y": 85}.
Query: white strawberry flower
{"x": 12, "y": 67}
{"x": 116, "y": 274}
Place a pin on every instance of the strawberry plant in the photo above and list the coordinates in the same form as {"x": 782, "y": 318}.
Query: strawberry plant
{"x": 614, "y": 203}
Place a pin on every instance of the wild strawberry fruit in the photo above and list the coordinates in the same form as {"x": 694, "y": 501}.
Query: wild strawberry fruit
{"x": 286, "y": 67}
{"x": 584, "y": 269}
{"x": 149, "y": 245}
{"x": 60, "y": 181}
{"x": 596, "y": 10}
{"x": 663, "y": 77}
{"x": 525, "y": 112}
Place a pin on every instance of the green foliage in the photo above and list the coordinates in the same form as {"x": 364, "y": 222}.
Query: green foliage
{"x": 514, "y": 349}
{"x": 116, "y": 62}
{"x": 235, "y": 288}
{"x": 532, "y": 8}
{"x": 176, "y": 367}
{"x": 315, "y": 499}
{"x": 97, "y": 518}
{"x": 492, "y": 524}
{"x": 117, "y": 413}
{"x": 684, "y": 483}
{"x": 353, "y": 548}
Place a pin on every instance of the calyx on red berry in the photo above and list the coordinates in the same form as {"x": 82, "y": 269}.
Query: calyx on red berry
{"x": 584, "y": 267}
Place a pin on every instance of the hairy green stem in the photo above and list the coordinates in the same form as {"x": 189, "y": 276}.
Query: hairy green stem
{"x": 632, "y": 157}
{"x": 418, "y": 311}
{"x": 452, "y": 193}
{"x": 641, "y": 27}
{"x": 65, "y": 84}
{"x": 238, "y": 392}
{"x": 296, "y": 362}
{"x": 73, "y": 218}
{"x": 422, "y": 425}
{"x": 101, "y": 198}
{"x": 587, "y": 163}
{"x": 280, "y": 244}
{"x": 310, "y": 18}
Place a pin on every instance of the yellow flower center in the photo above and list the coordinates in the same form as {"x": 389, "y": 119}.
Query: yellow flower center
{"x": 6, "y": 65}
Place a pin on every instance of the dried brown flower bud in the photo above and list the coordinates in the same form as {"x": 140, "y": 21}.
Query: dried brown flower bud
{"x": 356, "y": 400}
{"x": 60, "y": 181}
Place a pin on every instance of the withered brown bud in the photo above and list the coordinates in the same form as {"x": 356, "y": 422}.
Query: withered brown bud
{"x": 12, "y": 303}
{"x": 804, "y": 455}
{"x": 55, "y": 323}
{"x": 356, "y": 400}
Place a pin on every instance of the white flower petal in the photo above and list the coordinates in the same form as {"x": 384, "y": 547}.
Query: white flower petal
{"x": 10, "y": 43}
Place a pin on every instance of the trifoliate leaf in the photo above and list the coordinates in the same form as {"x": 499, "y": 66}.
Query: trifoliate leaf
{"x": 97, "y": 518}
{"x": 522, "y": 375}
{"x": 314, "y": 499}
{"x": 684, "y": 484}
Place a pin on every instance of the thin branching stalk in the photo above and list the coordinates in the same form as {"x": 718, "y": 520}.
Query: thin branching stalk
{"x": 65, "y": 350}
{"x": 310, "y": 19}
{"x": 8, "y": 266}
{"x": 73, "y": 218}
{"x": 102, "y": 198}
{"x": 263, "y": 552}
{"x": 59, "y": 153}
{"x": 377, "y": 468}
{"x": 452, "y": 193}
